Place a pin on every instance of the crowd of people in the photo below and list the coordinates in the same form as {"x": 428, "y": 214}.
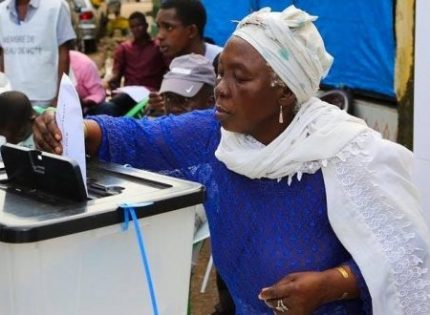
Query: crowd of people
{"x": 310, "y": 211}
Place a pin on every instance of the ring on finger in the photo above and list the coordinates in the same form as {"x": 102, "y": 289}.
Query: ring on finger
{"x": 281, "y": 307}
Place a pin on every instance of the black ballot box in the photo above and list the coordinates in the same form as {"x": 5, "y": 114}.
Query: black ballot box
{"x": 65, "y": 252}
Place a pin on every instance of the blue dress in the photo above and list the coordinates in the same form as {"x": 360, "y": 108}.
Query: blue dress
{"x": 261, "y": 230}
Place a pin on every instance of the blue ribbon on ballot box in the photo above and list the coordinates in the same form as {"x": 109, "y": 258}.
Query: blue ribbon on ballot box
{"x": 129, "y": 211}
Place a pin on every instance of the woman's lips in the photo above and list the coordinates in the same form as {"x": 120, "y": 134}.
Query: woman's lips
{"x": 220, "y": 108}
{"x": 221, "y": 113}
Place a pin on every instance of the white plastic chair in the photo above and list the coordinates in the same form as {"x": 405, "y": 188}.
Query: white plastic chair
{"x": 202, "y": 234}
{"x": 341, "y": 98}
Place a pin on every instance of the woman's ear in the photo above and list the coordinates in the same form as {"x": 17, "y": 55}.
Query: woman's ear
{"x": 287, "y": 98}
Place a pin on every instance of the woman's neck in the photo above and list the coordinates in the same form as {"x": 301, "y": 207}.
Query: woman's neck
{"x": 268, "y": 134}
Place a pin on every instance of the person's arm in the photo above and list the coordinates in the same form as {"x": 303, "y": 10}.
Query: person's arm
{"x": 47, "y": 136}
{"x": 163, "y": 144}
{"x": 304, "y": 292}
{"x": 1, "y": 60}
{"x": 63, "y": 67}
{"x": 170, "y": 143}
{"x": 93, "y": 86}
{"x": 63, "y": 60}
{"x": 65, "y": 34}
{"x": 118, "y": 68}
{"x": 93, "y": 136}
{"x": 364, "y": 290}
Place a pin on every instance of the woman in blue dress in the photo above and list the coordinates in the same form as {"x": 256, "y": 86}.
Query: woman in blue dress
{"x": 310, "y": 211}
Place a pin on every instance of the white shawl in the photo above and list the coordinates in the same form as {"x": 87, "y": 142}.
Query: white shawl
{"x": 318, "y": 132}
{"x": 372, "y": 205}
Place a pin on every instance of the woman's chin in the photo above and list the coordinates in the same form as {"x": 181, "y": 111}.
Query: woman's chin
{"x": 222, "y": 116}
{"x": 229, "y": 127}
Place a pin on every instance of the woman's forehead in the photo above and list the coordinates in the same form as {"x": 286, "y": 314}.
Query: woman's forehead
{"x": 239, "y": 51}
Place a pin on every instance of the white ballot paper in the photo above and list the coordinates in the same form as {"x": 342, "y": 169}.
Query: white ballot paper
{"x": 70, "y": 122}
{"x": 136, "y": 92}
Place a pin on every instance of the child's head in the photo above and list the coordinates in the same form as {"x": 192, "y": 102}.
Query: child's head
{"x": 16, "y": 116}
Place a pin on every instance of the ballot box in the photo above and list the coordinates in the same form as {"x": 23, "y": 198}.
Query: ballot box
{"x": 64, "y": 252}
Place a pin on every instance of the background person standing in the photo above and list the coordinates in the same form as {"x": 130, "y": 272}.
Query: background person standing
{"x": 34, "y": 37}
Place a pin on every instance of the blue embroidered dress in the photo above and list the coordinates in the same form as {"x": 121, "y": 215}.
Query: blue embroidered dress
{"x": 261, "y": 230}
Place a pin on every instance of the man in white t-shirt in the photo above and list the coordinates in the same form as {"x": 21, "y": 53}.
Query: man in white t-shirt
{"x": 181, "y": 26}
{"x": 34, "y": 40}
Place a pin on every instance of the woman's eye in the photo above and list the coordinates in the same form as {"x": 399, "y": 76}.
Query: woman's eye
{"x": 239, "y": 78}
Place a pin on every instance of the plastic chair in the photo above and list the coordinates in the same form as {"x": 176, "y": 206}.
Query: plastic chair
{"x": 138, "y": 110}
{"x": 201, "y": 235}
{"x": 39, "y": 110}
{"x": 341, "y": 98}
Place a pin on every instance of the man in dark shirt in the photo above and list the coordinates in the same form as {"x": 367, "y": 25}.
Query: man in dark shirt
{"x": 139, "y": 61}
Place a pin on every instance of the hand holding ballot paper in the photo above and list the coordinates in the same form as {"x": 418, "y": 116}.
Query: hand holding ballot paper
{"x": 70, "y": 122}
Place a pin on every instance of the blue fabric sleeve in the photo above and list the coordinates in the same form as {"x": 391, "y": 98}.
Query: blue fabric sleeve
{"x": 167, "y": 143}
{"x": 364, "y": 291}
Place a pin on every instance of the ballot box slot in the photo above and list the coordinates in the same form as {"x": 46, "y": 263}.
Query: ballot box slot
{"x": 41, "y": 172}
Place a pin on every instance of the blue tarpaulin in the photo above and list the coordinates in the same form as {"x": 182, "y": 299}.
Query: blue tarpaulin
{"x": 358, "y": 33}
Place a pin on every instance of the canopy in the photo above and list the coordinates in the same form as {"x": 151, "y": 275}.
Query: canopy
{"x": 358, "y": 33}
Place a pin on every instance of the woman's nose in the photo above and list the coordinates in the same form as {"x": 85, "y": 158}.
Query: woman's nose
{"x": 220, "y": 89}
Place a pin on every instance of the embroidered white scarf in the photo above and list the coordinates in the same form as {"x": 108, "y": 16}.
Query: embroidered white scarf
{"x": 318, "y": 132}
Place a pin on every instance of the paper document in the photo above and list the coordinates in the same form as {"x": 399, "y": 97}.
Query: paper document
{"x": 136, "y": 92}
{"x": 70, "y": 122}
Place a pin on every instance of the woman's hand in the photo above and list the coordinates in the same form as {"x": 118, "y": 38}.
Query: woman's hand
{"x": 46, "y": 134}
{"x": 302, "y": 293}
{"x": 298, "y": 293}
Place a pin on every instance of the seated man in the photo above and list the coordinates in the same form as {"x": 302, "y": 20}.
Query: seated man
{"x": 188, "y": 85}
{"x": 16, "y": 118}
{"x": 181, "y": 25}
{"x": 139, "y": 62}
{"x": 85, "y": 75}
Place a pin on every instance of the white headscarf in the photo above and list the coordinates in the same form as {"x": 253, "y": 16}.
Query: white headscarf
{"x": 291, "y": 45}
